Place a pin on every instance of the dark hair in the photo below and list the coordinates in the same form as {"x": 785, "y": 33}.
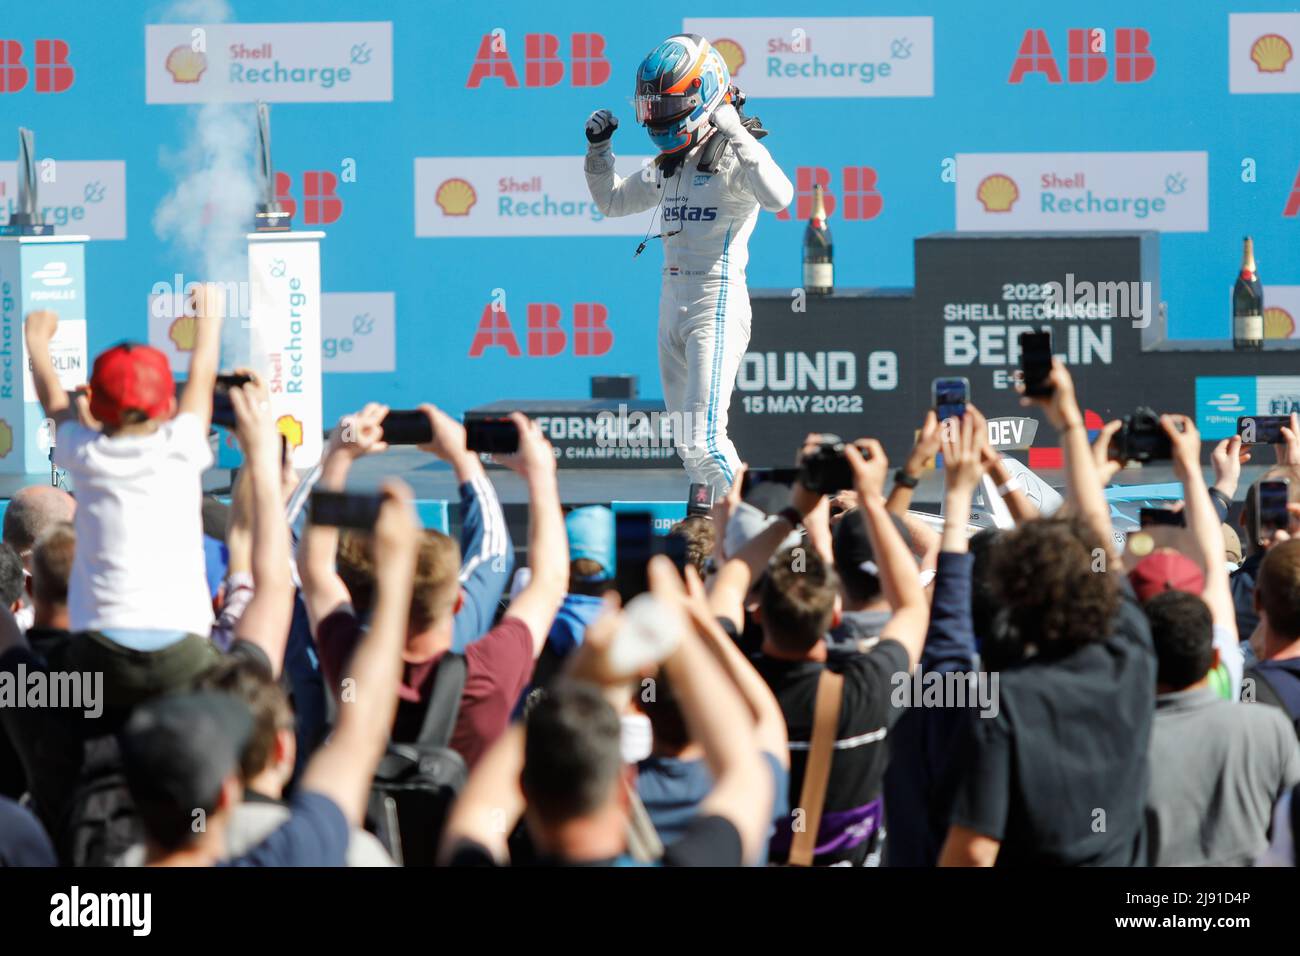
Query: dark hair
{"x": 587, "y": 576}
{"x": 52, "y": 563}
{"x": 665, "y": 715}
{"x": 1277, "y": 587}
{"x": 1183, "y": 633}
{"x": 12, "y": 580}
{"x": 572, "y": 753}
{"x": 253, "y": 685}
{"x": 1044, "y": 577}
{"x": 797, "y": 597}
{"x": 701, "y": 537}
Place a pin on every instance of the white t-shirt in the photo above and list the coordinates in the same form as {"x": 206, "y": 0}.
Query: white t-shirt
{"x": 139, "y": 558}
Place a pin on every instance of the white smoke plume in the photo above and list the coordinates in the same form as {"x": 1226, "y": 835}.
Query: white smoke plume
{"x": 209, "y": 211}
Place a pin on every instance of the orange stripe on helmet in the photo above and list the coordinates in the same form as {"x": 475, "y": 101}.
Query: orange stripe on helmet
{"x": 694, "y": 73}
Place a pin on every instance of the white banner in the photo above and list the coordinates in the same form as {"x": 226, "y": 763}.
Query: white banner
{"x": 285, "y": 331}
{"x": 1262, "y": 51}
{"x": 77, "y": 197}
{"x": 1070, "y": 192}
{"x": 358, "y": 331}
{"x": 517, "y": 196}
{"x": 824, "y": 56}
{"x": 276, "y": 62}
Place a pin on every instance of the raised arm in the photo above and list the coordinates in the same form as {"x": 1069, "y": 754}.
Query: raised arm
{"x": 769, "y": 721}
{"x": 738, "y": 572}
{"x": 548, "y": 543}
{"x": 1207, "y": 531}
{"x": 487, "y": 810}
{"x": 717, "y": 718}
{"x": 266, "y": 620}
{"x": 613, "y": 194}
{"x": 770, "y": 186}
{"x": 898, "y": 578}
{"x": 487, "y": 554}
{"x": 923, "y": 451}
{"x": 345, "y": 765}
{"x": 209, "y": 307}
{"x": 1084, "y": 483}
{"x": 38, "y": 330}
{"x": 323, "y": 591}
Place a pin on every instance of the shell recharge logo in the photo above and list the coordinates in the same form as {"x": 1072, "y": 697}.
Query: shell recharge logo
{"x": 732, "y": 53}
{"x": 997, "y": 193}
{"x": 291, "y": 429}
{"x": 455, "y": 197}
{"x": 1271, "y": 53}
{"x": 186, "y": 65}
{"x": 1278, "y": 323}
{"x": 183, "y": 333}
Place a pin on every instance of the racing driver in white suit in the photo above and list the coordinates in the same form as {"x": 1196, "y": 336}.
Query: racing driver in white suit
{"x": 709, "y": 180}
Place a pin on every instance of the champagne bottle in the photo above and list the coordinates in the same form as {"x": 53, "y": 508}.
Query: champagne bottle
{"x": 818, "y": 264}
{"x": 1248, "y": 304}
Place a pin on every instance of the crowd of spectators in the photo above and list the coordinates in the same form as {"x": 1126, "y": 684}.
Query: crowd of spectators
{"x": 818, "y": 679}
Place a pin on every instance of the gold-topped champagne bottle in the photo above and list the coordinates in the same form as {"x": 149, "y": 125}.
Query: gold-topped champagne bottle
{"x": 1248, "y": 303}
{"x": 818, "y": 259}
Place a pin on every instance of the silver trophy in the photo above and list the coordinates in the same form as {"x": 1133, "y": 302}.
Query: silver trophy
{"x": 26, "y": 219}
{"x": 270, "y": 215}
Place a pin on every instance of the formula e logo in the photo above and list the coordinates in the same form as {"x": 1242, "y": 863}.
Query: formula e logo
{"x": 543, "y": 66}
{"x": 49, "y": 63}
{"x": 690, "y": 213}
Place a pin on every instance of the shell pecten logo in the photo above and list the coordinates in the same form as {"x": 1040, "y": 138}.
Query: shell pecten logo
{"x": 1271, "y": 53}
{"x": 455, "y": 197}
{"x": 732, "y": 53}
{"x": 186, "y": 65}
{"x": 6, "y": 438}
{"x": 183, "y": 332}
{"x": 997, "y": 193}
{"x": 291, "y": 429}
{"x": 1278, "y": 323}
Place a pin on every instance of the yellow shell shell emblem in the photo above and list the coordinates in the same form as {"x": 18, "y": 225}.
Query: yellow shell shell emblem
{"x": 186, "y": 65}
{"x": 291, "y": 429}
{"x": 455, "y": 197}
{"x": 183, "y": 333}
{"x": 6, "y": 439}
{"x": 732, "y": 53}
{"x": 1271, "y": 53}
{"x": 997, "y": 193}
{"x": 1278, "y": 323}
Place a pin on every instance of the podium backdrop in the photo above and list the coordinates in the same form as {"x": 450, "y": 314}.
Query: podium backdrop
{"x": 438, "y": 145}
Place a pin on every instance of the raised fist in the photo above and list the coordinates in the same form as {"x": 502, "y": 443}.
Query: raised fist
{"x": 600, "y": 126}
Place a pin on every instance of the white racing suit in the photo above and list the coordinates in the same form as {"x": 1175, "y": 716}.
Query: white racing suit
{"x": 703, "y": 304}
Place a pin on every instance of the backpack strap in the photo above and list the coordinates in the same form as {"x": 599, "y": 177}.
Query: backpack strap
{"x": 444, "y": 701}
{"x": 1265, "y": 693}
{"x": 817, "y": 772}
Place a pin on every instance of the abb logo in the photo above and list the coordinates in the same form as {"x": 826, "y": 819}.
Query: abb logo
{"x": 858, "y": 199}
{"x": 49, "y": 64}
{"x": 543, "y": 65}
{"x": 1086, "y": 57}
{"x": 320, "y": 201}
{"x": 590, "y": 334}
{"x": 1293, "y": 199}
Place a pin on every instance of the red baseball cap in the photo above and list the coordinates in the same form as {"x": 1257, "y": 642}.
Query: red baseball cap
{"x": 1166, "y": 570}
{"x": 130, "y": 376}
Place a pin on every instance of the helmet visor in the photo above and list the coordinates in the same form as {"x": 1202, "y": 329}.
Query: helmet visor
{"x": 662, "y": 109}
